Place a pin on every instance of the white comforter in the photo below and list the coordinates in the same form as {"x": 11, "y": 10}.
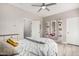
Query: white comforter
{"x": 37, "y": 47}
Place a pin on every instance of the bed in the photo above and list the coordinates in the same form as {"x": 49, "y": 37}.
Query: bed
{"x": 36, "y": 47}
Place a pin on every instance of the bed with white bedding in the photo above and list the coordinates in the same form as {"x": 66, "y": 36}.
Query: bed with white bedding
{"x": 36, "y": 47}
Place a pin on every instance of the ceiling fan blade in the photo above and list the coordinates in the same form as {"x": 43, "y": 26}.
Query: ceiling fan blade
{"x": 50, "y": 4}
{"x": 47, "y": 9}
{"x": 37, "y": 5}
{"x": 39, "y": 9}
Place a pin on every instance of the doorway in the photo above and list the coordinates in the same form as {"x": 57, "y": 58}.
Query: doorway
{"x": 27, "y": 27}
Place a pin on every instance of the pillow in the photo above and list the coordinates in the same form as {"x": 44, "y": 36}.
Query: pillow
{"x": 12, "y": 42}
{"x": 7, "y": 49}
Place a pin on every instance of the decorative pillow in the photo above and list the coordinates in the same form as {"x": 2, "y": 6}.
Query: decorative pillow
{"x": 6, "y": 49}
{"x": 12, "y": 42}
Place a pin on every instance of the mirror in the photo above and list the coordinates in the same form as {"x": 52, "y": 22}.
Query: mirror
{"x": 53, "y": 25}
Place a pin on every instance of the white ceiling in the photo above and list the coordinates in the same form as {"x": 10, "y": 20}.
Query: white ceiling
{"x": 54, "y": 9}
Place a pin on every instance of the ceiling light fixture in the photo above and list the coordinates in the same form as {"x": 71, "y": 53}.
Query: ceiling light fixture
{"x": 43, "y": 7}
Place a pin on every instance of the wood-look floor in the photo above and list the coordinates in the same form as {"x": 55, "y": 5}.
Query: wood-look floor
{"x": 68, "y": 50}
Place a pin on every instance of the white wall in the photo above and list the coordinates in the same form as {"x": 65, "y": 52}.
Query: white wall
{"x": 12, "y": 20}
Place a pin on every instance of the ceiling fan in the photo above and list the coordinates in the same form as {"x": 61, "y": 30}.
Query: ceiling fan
{"x": 44, "y": 6}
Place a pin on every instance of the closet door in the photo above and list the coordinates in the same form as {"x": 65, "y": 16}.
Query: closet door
{"x": 72, "y": 30}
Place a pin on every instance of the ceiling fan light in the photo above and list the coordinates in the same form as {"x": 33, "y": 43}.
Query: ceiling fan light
{"x": 43, "y": 7}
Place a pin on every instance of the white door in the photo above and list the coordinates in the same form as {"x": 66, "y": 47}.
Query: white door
{"x": 35, "y": 28}
{"x": 72, "y": 31}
